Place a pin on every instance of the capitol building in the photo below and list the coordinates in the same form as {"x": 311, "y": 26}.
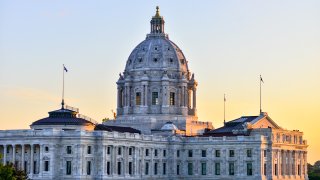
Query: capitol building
{"x": 156, "y": 133}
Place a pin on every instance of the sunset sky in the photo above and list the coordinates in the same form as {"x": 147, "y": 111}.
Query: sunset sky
{"x": 228, "y": 44}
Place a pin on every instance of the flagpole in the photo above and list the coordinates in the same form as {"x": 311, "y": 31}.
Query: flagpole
{"x": 224, "y": 108}
{"x": 260, "y": 94}
{"x": 62, "y": 103}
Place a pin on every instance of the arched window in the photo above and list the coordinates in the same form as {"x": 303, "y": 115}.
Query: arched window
{"x": 138, "y": 98}
{"x": 172, "y": 100}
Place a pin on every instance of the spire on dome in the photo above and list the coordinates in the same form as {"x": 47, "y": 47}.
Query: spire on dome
{"x": 157, "y": 23}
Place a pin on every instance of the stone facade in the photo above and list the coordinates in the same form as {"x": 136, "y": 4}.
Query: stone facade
{"x": 156, "y": 133}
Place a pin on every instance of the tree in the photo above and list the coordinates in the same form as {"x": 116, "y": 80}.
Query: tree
{"x": 9, "y": 172}
{"x": 314, "y": 171}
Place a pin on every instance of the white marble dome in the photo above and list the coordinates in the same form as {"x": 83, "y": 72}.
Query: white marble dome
{"x": 169, "y": 126}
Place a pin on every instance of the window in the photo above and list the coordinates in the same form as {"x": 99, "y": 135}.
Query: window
{"x": 108, "y": 167}
{"x": 8, "y": 150}
{"x": 46, "y": 165}
{"x": 231, "y": 168}
{"x": 130, "y": 151}
{"x": 88, "y": 167}
{"x": 203, "y": 168}
{"x": 172, "y": 103}
{"x": 178, "y": 153}
{"x": 155, "y": 168}
{"x": 68, "y": 168}
{"x": 89, "y": 150}
{"x": 46, "y": 149}
{"x": 155, "y": 99}
{"x": 108, "y": 150}
{"x": 178, "y": 169}
{"x": 203, "y": 153}
{"x": 34, "y": 167}
{"x": 164, "y": 168}
{"x": 217, "y": 153}
{"x": 147, "y": 152}
{"x": 69, "y": 151}
{"x": 249, "y": 169}
{"x": 138, "y": 98}
{"x": 119, "y": 168}
{"x": 156, "y": 152}
{"x": 130, "y": 168}
{"x": 164, "y": 153}
{"x": 146, "y": 169}
{"x": 190, "y": 153}
{"x": 298, "y": 169}
{"x": 276, "y": 169}
{"x": 190, "y": 169}
{"x": 217, "y": 169}
{"x": 231, "y": 153}
{"x": 265, "y": 169}
{"x": 249, "y": 153}
{"x": 264, "y": 153}
{"x": 119, "y": 151}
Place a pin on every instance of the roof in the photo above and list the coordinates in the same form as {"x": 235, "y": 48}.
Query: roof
{"x": 229, "y": 127}
{"x": 168, "y": 126}
{"x": 62, "y": 117}
{"x": 102, "y": 127}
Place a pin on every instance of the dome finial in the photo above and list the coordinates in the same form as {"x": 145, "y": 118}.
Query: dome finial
{"x": 157, "y": 12}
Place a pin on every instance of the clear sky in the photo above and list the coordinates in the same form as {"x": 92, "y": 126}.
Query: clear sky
{"x": 228, "y": 45}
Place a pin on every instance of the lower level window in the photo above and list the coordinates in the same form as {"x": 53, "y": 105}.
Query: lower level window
{"x": 249, "y": 169}
{"x": 217, "y": 168}
{"x": 119, "y": 168}
{"x": 190, "y": 169}
{"x": 231, "y": 168}
{"x": 88, "y": 167}
{"x": 203, "y": 168}
{"x": 68, "y": 168}
{"x": 46, "y": 165}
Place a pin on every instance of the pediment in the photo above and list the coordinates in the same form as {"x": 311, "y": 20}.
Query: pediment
{"x": 265, "y": 122}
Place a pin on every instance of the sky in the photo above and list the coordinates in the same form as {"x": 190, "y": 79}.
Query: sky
{"x": 228, "y": 44}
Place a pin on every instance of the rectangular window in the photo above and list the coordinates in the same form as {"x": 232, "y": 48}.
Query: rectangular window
{"x": 25, "y": 166}
{"x": 155, "y": 169}
{"x": 231, "y": 168}
{"x": 178, "y": 153}
{"x": 46, "y": 165}
{"x": 231, "y": 153}
{"x": 178, "y": 169}
{"x": 156, "y": 152}
{"x": 299, "y": 170}
{"x": 108, "y": 150}
{"x": 172, "y": 103}
{"x": 130, "y": 168}
{"x": 264, "y": 153}
{"x": 147, "y": 152}
{"x": 130, "y": 151}
{"x": 203, "y": 153}
{"x": 204, "y": 168}
{"x": 217, "y": 169}
{"x": 108, "y": 167}
{"x": 138, "y": 98}
{"x": 276, "y": 169}
{"x": 89, "y": 150}
{"x": 190, "y": 153}
{"x": 8, "y": 150}
{"x": 155, "y": 98}
{"x": 217, "y": 153}
{"x": 190, "y": 169}
{"x": 249, "y": 153}
{"x": 68, "y": 168}
{"x": 88, "y": 167}
{"x": 249, "y": 169}
{"x": 164, "y": 168}
{"x": 69, "y": 150}
{"x": 164, "y": 153}
{"x": 146, "y": 169}
{"x": 35, "y": 167}
{"x": 265, "y": 169}
{"x": 46, "y": 148}
{"x": 119, "y": 151}
{"x": 119, "y": 168}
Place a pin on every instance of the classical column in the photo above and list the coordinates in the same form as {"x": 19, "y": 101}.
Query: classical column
{"x": 125, "y": 160}
{"x": 22, "y": 157}
{"x": 5, "y": 154}
{"x": 114, "y": 160}
{"x": 118, "y": 97}
{"x": 14, "y": 155}
{"x": 194, "y": 90}
{"x": 146, "y": 95}
{"x": 31, "y": 159}
{"x": 103, "y": 159}
{"x": 125, "y": 96}
{"x": 40, "y": 159}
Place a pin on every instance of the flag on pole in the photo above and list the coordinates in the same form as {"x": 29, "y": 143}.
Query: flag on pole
{"x": 64, "y": 68}
{"x": 261, "y": 79}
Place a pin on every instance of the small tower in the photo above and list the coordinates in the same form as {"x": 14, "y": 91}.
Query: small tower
{"x": 157, "y": 23}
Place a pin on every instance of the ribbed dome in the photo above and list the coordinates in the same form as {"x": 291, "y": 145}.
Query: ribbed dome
{"x": 157, "y": 52}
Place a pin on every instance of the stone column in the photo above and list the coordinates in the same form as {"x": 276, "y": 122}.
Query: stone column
{"x": 14, "y": 155}
{"x": 114, "y": 160}
{"x": 118, "y": 97}
{"x": 194, "y": 98}
{"x": 125, "y": 161}
{"x": 31, "y": 159}
{"x": 146, "y": 95}
{"x": 103, "y": 160}
{"x": 22, "y": 157}
{"x": 40, "y": 159}
{"x": 5, "y": 154}
{"x": 125, "y": 96}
